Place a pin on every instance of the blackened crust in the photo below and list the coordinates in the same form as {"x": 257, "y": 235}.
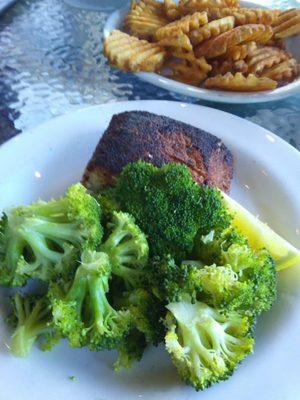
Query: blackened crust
{"x": 139, "y": 135}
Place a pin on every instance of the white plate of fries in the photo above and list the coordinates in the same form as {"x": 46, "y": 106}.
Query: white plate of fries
{"x": 216, "y": 50}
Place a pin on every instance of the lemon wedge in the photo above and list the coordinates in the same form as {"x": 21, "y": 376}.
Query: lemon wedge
{"x": 261, "y": 235}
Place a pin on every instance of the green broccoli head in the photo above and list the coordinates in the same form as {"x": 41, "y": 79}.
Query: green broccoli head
{"x": 215, "y": 215}
{"x": 168, "y": 280}
{"x": 32, "y": 319}
{"x": 257, "y": 271}
{"x": 243, "y": 279}
{"x": 130, "y": 350}
{"x": 108, "y": 202}
{"x": 217, "y": 282}
{"x": 41, "y": 240}
{"x": 219, "y": 287}
{"x": 169, "y": 206}
{"x": 208, "y": 248}
{"x": 146, "y": 313}
{"x": 205, "y": 344}
{"x": 83, "y": 313}
{"x": 127, "y": 248}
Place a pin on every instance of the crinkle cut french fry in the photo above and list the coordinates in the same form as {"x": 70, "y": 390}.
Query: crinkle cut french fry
{"x": 240, "y": 83}
{"x": 132, "y": 54}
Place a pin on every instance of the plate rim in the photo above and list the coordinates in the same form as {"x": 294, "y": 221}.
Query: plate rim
{"x": 212, "y": 95}
{"x": 39, "y": 128}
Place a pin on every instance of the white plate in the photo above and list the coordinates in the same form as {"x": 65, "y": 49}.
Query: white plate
{"x": 115, "y": 21}
{"x": 44, "y": 161}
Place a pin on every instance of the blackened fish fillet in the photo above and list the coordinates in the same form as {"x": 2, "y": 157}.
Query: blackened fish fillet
{"x": 139, "y": 135}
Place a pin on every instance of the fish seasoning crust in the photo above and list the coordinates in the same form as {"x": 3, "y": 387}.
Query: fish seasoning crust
{"x": 137, "y": 135}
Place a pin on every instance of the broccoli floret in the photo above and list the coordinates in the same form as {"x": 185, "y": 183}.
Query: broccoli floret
{"x": 208, "y": 248}
{"x": 41, "y": 240}
{"x": 258, "y": 271}
{"x": 219, "y": 287}
{"x": 130, "y": 350}
{"x": 107, "y": 200}
{"x": 146, "y": 312}
{"x": 170, "y": 281}
{"x": 215, "y": 215}
{"x": 83, "y": 314}
{"x": 32, "y": 319}
{"x": 127, "y": 248}
{"x": 50, "y": 338}
{"x": 217, "y": 282}
{"x": 205, "y": 344}
{"x": 169, "y": 206}
{"x": 167, "y": 280}
{"x": 246, "y": 280}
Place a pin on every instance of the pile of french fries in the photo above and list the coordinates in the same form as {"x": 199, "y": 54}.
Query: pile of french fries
{"x": 214, "y": 43}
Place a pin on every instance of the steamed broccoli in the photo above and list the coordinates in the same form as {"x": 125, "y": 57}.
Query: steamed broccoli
{"x": 208, "y": 248}
{"x": 219, "y": 286}
{"x": 43, "y": 239}
{"x": 206, "y": 345}
{"x": 130, "y": 350}
{"x": 147, "y": 314}
{"x": 249, "y": 277}
{"x": 83, "y": 314}
{"x": 107, "y": 200}
{"x": 146, "y": 311}
{"x": 256, "y": 270}
{"x": 168, "y": 280}
{"x": 127, "y": 248}
{"x": 168, "y": 265}
{"x": 169, "y": 206}
{"x": 32, "y": 319}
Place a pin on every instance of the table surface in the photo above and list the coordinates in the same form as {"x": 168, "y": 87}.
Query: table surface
{"x": 51, "y": 63}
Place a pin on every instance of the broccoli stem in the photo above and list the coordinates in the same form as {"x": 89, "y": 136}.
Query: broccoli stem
{"x": 77, "y": 293}
{"x": 128, "y": 274}
{"x": 14, "y": 249}
{"x": 116, "y": 237}
{"x": 101, "y": 307}
{"x": 53, "y": 209}
{"x": 39, "y": 246}
{"x": 31, "y": 323}
{"x": 64, "y": 231}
